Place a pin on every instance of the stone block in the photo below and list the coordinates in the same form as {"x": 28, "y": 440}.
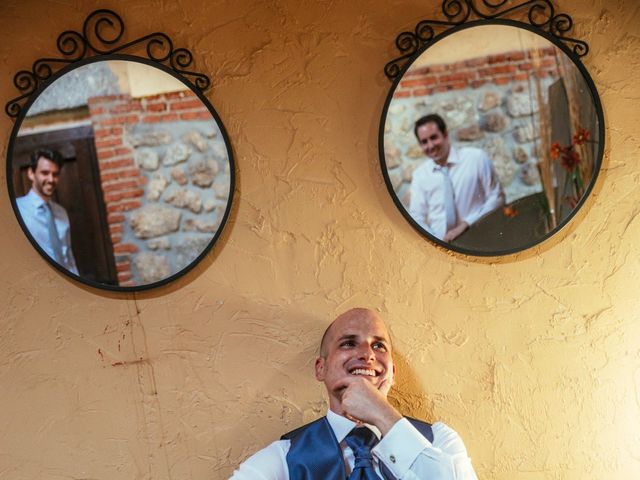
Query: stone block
{"x": 494, "y": 122}
{"x": 154, "y": 220}
{"x": 162, "y": 243}
{"x": 151, "y": 267}
{"x": 196, "y": 139}
{"x": 469, "y": 134}
{"x": 150, "y": 139}
{"x": 489, "y": 101}
{"x": 177, "y": 153}
{"x": 146, "y": 159}
{"x": 203, "y": 173}
{"x": 156, "y": 186}
{"x": 184, "y": 198}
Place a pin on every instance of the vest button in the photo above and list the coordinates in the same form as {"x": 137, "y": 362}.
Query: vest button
{"x": 392, "y": 458}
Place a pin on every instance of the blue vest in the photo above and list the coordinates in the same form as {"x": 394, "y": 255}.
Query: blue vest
{"x": 315, "y": 454}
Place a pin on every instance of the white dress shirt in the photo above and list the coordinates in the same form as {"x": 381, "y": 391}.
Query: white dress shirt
{"x": 407, "y": 454}
{"x": 477, "y": 190}
{"x": 32, "y": 210}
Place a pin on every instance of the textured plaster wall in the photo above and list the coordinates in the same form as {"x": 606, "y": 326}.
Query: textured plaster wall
{"x": 534, "y": 358}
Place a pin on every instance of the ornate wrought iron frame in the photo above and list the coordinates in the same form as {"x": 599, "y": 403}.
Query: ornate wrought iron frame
{"x": 463, "y": 14}
{"x": 102, "y": 30}
{"x": 80, "y": 49}
{"x": 541, "y": 15}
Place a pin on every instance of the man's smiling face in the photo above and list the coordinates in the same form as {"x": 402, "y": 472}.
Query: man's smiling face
{"x": 355, "y": 345}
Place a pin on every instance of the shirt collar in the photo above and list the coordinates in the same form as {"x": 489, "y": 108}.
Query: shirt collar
{"x": 35, "y": 199}
{"x": 452, "y": 159}
{"x": 341, "y": 426}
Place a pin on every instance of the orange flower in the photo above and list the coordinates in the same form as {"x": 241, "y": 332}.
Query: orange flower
{"x": 509, "y": 211}
{"x": 556, "y": 150}
{"x": 581, "y": 137}
{"x": 570, "y": 159}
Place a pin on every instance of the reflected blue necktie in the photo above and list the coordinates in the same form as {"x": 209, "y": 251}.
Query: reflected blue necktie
{"x": 54, "y": 239}
{"x": 361, "y": 440}
{"x": 449, "y": 199}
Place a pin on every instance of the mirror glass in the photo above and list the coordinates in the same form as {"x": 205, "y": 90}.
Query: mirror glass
{"x": 120, "y": 174}
{"x": 517, "y": 151}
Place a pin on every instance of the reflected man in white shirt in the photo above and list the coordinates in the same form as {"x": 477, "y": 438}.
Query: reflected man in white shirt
{"x": 454, "y": 187}
{"x": 46, "y": 220}
{"x": 356, "y": 366}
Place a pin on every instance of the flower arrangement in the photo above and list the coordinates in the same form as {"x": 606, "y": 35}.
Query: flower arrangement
{"x": 570, "y": 159}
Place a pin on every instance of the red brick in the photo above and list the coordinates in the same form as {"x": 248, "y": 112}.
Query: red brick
{"x": 125, "y": 162}
{"x": 125, "y": 248}
{"x": 549, "y": 51}
{"x": 457, "y": 77}
{"x": 156, "y": 107}
{"x": 167, "y": 117}
{"x": 112, "y": 142}
{"x": 123, "y": 151}
{"x": 548, "y": 62}
{"x": 477, "y": 83}
{"x": 441, "y": 89}
{"x": 458, "y": 86}
{"x": 108, "y": 132}
{"x": 502, "y": 80}
{"x": 516, "y": 56}
{"x": 497, "y": 58}
{"x": 526, "y": 66}
{"x": 123, "y": 266}
{"x": 124, "y": 206}
{"x": 124, "y": 119}
{"x": 123, "y": 185}
{"x": 421, "y": 92}
{"x": 186, "y": 104}
{"x": 128, "y": 173}
{"x": 126, "y": 108}
{"x": 95, "y": 111}
{"x": 438, "y": 68}
{"x": 401, "y": 94}
{"x": 500, "y": 69}
{"x": 116, "y": 228}
{"x": 106, "y": 153}
{"x": 122, "y": 195}
{"x": 204, "y": 115}
{"x": 520, "y": 77}
{"x": 476, "y": 62}
{"x": 115, "y": 239}
{"x": 123, "y": 277}
{"x": 115, "y": 218}
{"x": 419, "y": 82}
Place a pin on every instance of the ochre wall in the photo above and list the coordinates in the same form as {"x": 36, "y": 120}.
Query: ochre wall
{"x": 534, "y": 358}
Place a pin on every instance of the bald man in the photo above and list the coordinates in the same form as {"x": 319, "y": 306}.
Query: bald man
{"x": 362, "y": 437}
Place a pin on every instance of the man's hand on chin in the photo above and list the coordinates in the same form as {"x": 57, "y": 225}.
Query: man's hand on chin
{"x": 364, "y": 402}
{"x": 456, "y": 231}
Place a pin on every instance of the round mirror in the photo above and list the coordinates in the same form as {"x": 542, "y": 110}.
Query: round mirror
{"x": 120, "y": 174}
{"x": 491, "y": 138}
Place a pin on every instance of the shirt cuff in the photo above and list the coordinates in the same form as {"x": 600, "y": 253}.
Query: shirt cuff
{"x": 400, "y": 447}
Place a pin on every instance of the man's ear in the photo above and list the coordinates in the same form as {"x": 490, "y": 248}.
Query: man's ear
{"x": 320, "y": 369}
{"x": 30, "y": 173}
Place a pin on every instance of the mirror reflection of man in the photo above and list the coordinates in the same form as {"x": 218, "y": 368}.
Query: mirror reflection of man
{"x": 46, "y": 220}
{"x": 455, "y": 187}
{"x": 362, "y": 437}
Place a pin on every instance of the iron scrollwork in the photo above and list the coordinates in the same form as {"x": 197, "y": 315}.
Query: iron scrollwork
{"x": 101, "y": 32}
{"x": 541, "y": 16}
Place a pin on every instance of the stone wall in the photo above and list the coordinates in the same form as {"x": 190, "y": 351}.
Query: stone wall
{"x": 164, "y": 171}
{"x": 487, "y": 102}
